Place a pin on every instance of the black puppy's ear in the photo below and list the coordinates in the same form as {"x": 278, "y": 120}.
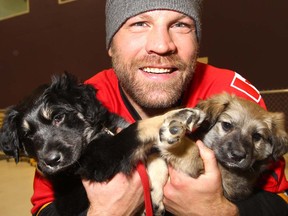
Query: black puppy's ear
{"x": 9, "y": 140}
{"x": 92, "y": 108}
{"x": 64, "y": 82}
{"x": 66, "y": 87}
{"x": 279, "y": 138}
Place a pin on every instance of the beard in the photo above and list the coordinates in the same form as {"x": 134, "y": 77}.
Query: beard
{"x": 147, "y": 93}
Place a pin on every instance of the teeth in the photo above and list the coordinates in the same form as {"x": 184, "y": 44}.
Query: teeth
{"x": 157, "y": 70}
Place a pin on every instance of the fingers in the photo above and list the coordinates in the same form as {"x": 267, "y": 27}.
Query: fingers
{"x": 208, "y": 157}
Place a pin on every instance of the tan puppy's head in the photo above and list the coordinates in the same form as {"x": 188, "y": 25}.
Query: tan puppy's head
{"x": 242, "y": 133}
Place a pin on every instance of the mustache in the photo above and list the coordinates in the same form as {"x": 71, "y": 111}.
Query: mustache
{"x": 172, "y": 60}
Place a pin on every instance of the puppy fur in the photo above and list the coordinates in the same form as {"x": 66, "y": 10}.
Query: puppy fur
{"x": 69, "y": 133}
{"x": 244, "y": 137}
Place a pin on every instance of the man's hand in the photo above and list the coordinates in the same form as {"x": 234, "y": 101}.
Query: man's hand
{"x": 122, "y": 195}
{"x": 184, "y": 195}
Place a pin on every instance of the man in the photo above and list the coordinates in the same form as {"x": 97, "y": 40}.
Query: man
{"x": 154, "y": 48}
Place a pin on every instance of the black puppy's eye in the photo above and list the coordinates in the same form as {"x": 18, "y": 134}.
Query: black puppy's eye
{"x": 226, "y": 126}
{"x": 58, "y": 119}
{"x": 256, "y": 137}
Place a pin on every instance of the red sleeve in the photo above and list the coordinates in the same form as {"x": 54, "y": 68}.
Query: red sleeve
{"x": 274, "y": 179}
{"x": 43, "y": 192}
{"x": 209, "y": 80}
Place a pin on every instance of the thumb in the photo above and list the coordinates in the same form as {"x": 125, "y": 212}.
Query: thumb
{"x": 208, "y": 157}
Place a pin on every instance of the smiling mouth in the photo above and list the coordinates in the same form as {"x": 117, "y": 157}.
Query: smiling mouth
{"x": 158, "y": 70}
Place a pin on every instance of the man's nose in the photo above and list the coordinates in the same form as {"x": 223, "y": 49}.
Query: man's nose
{"x": 160, "y": 41}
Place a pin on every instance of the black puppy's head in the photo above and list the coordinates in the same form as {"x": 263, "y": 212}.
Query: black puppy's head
{"x": 54, "y": 126}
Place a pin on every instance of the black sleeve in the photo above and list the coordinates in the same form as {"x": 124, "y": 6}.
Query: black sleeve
{"x": 50, "y": 210}
{"x": 263, "y": 203}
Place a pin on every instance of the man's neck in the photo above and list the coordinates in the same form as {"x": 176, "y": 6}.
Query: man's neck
{"x": 146, "y": 112}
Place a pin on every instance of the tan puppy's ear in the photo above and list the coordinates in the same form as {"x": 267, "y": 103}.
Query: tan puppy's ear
{"x": 215, "y": 105}
{"x": 279, "y": 137}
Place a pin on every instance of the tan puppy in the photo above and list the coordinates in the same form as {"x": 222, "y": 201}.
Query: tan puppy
{"x": 243, "y": 135}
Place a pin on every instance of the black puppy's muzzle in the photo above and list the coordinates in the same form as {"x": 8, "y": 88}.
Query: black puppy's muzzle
{"x": 53, "y": 158}
{"x": 56, "y": 156}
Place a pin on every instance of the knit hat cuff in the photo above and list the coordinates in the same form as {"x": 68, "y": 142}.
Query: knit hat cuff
{"x": 119, "y": 11}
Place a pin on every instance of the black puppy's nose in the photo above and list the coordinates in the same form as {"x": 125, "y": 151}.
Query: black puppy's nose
{"x": 53, "y": 159}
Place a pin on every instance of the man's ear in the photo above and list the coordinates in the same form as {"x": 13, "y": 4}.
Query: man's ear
{"x": 9, "y": 139}
{"x": 110, "y": 53}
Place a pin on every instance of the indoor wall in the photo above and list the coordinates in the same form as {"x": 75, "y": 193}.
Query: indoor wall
{"x": 250, "y": 37}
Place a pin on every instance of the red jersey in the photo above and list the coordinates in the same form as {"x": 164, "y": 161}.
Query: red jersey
{"x": 207, "y": 80}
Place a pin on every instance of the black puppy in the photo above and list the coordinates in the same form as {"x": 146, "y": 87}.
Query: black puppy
{"x": 69, "y": 132}
{"x": 70, "y": 135}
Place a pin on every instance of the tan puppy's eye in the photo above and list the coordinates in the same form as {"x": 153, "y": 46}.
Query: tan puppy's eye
{"x": 226, "y": 126}
{"x": 256, "y": 137}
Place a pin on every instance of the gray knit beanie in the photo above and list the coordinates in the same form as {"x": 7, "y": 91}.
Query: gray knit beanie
{"x": 118, "y": 11}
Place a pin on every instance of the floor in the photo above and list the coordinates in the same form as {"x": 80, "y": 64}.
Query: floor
{"x": 16, "y": 187}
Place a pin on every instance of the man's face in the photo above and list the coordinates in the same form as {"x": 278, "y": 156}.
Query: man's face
{"x": 154, "y": 56}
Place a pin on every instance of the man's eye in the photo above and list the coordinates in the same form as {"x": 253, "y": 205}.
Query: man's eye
{"x": 183, "y": 27}
{"x": 139, "y": 24}
{"x": 181, "y": 24}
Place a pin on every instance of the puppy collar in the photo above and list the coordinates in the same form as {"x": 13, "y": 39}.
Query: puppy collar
{"x": 106, "y": 130}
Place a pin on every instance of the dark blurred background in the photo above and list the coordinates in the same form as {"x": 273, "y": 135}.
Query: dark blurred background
{"x": 250, "y": 37}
